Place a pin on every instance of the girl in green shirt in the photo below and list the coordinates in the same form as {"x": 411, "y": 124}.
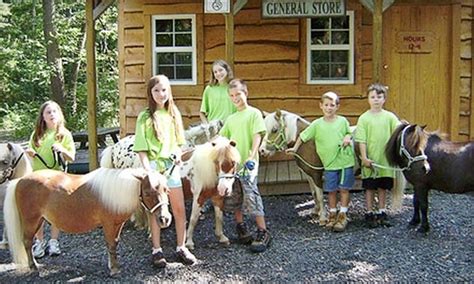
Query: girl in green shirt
{"x": 50, "y": 135}
{"x": 159, "y": 134}
{"x": 216, "y": 104}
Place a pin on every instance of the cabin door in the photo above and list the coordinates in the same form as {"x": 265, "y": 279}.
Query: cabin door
{"x": 416, "y": 43}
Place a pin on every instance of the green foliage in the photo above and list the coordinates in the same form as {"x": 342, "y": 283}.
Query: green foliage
{"x": 26, "y": 75}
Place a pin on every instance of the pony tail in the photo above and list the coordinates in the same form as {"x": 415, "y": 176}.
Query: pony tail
{"x": 398, "y": 191}
{"x": 14, "y": 227}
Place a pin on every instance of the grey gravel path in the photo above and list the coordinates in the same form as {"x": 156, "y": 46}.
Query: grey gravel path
{"x": 301, "y": 250}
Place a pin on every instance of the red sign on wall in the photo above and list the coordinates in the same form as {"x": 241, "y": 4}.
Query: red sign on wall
{"x": 415, "y": 42}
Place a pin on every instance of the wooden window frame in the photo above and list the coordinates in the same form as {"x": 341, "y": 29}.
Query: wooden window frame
{"x": 192, "y": 49}
{"x": 351, "y": 49}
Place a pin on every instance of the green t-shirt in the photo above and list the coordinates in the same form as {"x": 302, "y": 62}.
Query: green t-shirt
{"x": 45, "y": 152}
{"x": 375, "y": 129}
{"x": 241, "y": 127}
{"x": 216, "y": 103}
{"x": 328, "y": 137}
{"x": 146, "y": 140}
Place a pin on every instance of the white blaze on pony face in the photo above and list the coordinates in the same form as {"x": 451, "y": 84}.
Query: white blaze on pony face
{"x": 281, "y": 130}
{"x": 224, "y": 186}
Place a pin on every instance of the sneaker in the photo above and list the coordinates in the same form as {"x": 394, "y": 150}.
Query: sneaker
{"x": 53, "y": 248}
{"x": 332, "y": 220}
{"x": 261, "y": 242}
{"x": 158, "y": 260}
{"x": 186, "y": 257}
{"x": 39, "y": 248}
{"x": 382, "y": 219}
{"x": 370, "y": 220}
{"x": 341, "y": 222}
{"x": 244, "y": 236}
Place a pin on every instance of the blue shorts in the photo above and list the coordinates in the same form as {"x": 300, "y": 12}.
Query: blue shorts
{"x": 174, "y": 180}
{"x": 338, "y": 179}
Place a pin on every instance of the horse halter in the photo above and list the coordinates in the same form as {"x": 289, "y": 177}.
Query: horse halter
{"x": 8, "y": 173}
{"x": 154, "y": 208}
{"x": 404, "y": 152}
{"x": 281, "y": 134}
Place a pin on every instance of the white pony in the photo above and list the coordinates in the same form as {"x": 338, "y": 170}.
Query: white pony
{"x": 14, "y": 163}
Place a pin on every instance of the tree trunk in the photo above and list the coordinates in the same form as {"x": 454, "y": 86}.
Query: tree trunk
{"x": 53, "y": 55}
{"x": 75, "y": 72}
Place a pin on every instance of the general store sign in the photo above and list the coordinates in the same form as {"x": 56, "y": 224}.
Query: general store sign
{"x": 415, "y": 42}
{"x": 303, "y": 8}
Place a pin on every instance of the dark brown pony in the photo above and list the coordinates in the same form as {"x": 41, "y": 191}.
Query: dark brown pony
{"x": 80, "y": 203}
{"x": 430, "y": 162}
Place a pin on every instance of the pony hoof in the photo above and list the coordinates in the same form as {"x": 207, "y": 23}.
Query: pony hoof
{"x": 190, "y": 246}
{"x": 114, "y": 272}
{"x": 225, "y": 243}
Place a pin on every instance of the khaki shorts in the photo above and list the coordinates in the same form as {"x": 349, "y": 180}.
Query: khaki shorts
{"x": 245, "y": 196}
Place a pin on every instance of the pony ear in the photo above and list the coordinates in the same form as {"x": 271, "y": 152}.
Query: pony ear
{"x": 9, "y": 146}
{"x": 278, "y": 113}
{"x": 404, "y": 121}
{"x": 423, "y": 126}
{"x": 232, "y": 143}
{"x": 265, "y": 114}
{"x": 139, "y": 174}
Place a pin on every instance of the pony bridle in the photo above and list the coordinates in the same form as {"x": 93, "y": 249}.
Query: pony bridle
{"x": 154, "y": 208}
{"x": 404, "y": 152}
{"x": 8, "y": 173}
{"x": 282, "y": 145}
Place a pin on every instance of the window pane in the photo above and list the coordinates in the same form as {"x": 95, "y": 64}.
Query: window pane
{"x": 164, "y": 26}
{"x": 166, "y": 70}
{"x": 320, "y": 71}
{"x": 340, "y": 37}
{"x": 165, "y": 58}
{"x": 183, "y": 25}
{"x": 164, "y": 40}
{"x": 320, "y": 23}
{"x": 183, "y": 40}
{"x": 339, "y": 56}
{"x": 339, "y": 71}
{"x": 320, "y": 56}
{"x": 319, "y": 37}
{"x": 184, "y": 58}
{"x": 183, "y": 72}
{"x": 340, "y": 22}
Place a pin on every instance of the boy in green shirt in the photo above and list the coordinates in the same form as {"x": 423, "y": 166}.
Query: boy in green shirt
{"x": 374, "y": 128}
{"x": 332, "y": 136}
{"x": 247, "y": 127}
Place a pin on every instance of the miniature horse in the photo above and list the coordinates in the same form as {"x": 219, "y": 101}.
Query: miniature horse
{"x": 430, "y": 162}
{"x": 79, "y": 204}
{"x": 14, "y": 163}
{"x": 283, "y": 129}
{"x": 210, "y": 173}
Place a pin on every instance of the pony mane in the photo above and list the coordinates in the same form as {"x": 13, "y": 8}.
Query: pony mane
{"x": 204, "y": 161}
{"x": 118, "y": 189}
{"x": 416, "y": 139}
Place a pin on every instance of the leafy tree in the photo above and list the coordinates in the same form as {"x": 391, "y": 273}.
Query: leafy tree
{"x": 25, "y": 72}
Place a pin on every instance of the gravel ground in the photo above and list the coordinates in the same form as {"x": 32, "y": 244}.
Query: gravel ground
{"x": 301, "y": 250}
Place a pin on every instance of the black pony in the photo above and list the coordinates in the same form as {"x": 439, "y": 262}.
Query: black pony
{"x": 430, "y": 162}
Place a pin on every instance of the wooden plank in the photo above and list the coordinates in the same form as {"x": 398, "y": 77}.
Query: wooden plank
{"x": 91, "y": 86}
{"x": 377, "y": 51}
{"x": 173, "y": 8}
{"x": 284, "y": 188}
{"x": 121, "y": 83}
{"x": 294, "y": 172}
{"x": 455, "y": 72}
{"x": 101, "y": 8}
{"x": 258, "y": 52}
{"x": 471, "y": 122}
{"x": 229, "y": 37}
{"x": 282, "y": 171}
{"x": 132, "y": 19}
{"x": 134, "y": 37}
{"x": 134, "y": 56}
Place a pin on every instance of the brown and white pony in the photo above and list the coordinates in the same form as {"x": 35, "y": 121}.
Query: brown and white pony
{"x": 80, "y": 203}
{"x": 283, "y": 129}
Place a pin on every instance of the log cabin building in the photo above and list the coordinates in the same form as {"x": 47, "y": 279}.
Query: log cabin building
{"x": 290, "y": 55}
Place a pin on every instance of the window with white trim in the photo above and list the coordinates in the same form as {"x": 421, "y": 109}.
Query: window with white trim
{"x": 174, "y": 48}
{"x": 330, "y": 49}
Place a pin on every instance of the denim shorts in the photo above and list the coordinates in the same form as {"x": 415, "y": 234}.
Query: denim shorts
{"x": 338, "y": 179}
{"x": 174, "y": 180}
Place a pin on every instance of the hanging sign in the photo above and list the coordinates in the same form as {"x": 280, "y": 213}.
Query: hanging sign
{"x": 303, "y": 8}
{"x": 217, "y": 6}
